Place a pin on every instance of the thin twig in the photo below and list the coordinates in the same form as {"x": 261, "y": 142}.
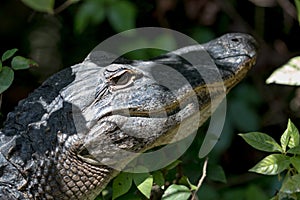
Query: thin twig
{"x": 201, "y": 179}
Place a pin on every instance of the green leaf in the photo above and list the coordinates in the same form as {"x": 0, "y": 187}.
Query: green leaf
{"x": 143, "y": 184}
{"x": 122, "y": 15}
{"x": 291, "y": 184}
{"x": 20, "y": 62}
{"x": 297, "y": 2}
{"x": 176, "y": 192}
{"x": 184, "y": 180}
{"x": 90, "y": 12}
{"x": 216, "y": 173}
{"x": 0, "y": 65}
{"x": 158, "y": 178}
{"x": 8, "y": 54}
{"x": 40, "y": 5}
{"x": 288, "y": 74}
{"x": 6, "y": 78}
{"x": 121, "y": 184}
{"x": 295, "y": 150}
{"x": 296, "y": 163}
{"x": 290, "y": 137}
{"x": 261, "y": 141}
{"x": 272, "y": 164}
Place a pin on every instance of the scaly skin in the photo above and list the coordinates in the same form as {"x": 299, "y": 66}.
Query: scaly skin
{"x": 64, "y": 139}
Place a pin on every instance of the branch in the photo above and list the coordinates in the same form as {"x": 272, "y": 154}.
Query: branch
{"x": 201, "y": 179}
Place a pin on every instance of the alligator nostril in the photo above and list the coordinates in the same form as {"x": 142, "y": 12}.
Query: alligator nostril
{"x": 234, "y": 39}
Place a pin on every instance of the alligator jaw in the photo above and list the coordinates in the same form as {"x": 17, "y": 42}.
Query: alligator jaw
{"x": 148, "y": 112}
{"x": 63, "y": 141}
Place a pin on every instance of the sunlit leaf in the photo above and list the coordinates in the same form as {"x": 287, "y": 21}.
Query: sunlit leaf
{"x": 272, "y": 164}
{"x": 290, "y": 137}
{"x": 40, "y": 5}
{"x": 288, "y": 74}
{"x": 121, "y": 15}
{"x": 144, "y": 185}
{"x": 20, "y": 62}
{"x": 6, "y": 78}
{"x": 8, "y": 54}
{"x": 291, "y": 184}
{"x": 121, "y": 184}
{"x": 176, "y": 192}
{"x": 261, "y": 141}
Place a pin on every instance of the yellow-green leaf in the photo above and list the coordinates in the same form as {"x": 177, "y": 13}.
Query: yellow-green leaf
{"x": 261, "y": 141}
{"x": 145, "y": 186}
{"x": 272, "y": 164}
{"x": 290, "y": 137}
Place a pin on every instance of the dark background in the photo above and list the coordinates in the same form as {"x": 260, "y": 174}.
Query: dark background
{"x": 54, "y": 43}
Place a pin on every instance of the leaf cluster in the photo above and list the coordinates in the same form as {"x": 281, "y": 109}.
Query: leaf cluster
{"x": 144, "y": 182}
{"x": 17, "y": 63}
{"x": 285, "y": 157}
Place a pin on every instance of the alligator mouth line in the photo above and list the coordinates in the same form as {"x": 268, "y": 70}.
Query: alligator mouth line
{"x": 218, "y": 88}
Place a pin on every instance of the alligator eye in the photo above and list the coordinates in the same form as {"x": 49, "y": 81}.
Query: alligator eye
{"x": 121, "y": 79}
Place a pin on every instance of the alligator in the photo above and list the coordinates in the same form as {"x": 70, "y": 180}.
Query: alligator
{"x": 64, "y": 140}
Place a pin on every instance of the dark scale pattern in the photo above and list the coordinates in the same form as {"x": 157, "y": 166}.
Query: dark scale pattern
{"x": 65, "y": 176}
{"x": 40, "y": 144}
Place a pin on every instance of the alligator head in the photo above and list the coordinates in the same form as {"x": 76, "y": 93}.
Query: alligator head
{"x": 111, "y": 112}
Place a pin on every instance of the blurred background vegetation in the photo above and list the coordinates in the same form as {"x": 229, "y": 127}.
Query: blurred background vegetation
{"x": 63, "y": 36}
